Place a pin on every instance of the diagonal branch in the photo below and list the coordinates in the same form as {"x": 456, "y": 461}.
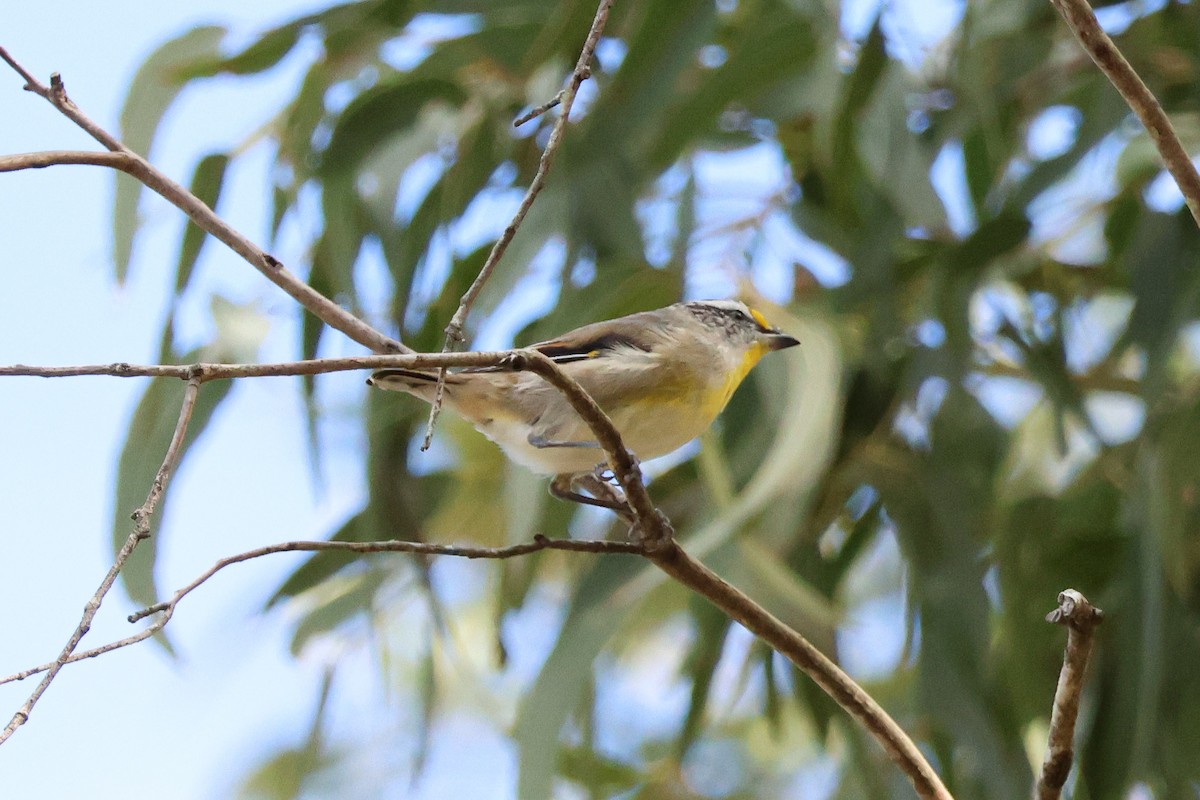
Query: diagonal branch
{"x": 141, "y": 530}
{"x": 578, "y": 76}
{"x": 1082, "y": 21}
{"x": 205, "y": 218}
{"x": 582, "y": 71}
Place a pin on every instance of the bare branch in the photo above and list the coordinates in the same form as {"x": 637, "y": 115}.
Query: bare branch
{"x": 420, "y": 548}
{"x": 212, "y": 372}
{"x": 655, "y": 535}
{"x": 166, "y": 609}
{"x": 1078, "y": 15}
{"x": 581, "y": 73}
{"x": 133, "y": 164}
{"x": 52, "y": 158}
{"x": 454, "y": 330}
{"x": 537, "y": 111}
{"x": 651, "y": 524}
{"x": 1081, "y": 619}
{"x": 141, "y": 530}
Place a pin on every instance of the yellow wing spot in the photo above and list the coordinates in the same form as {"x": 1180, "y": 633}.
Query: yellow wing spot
{"x": 760, "y": 319}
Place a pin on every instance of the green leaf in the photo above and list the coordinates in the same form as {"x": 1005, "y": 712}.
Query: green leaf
{"x": 240, "y": 331}
{"x": 712, "y": 626}
{"x": 266, "y": 52}
{"x": 159, "y": 80}
{"x": 478, "y": 154}
{"x": 596, "y": 614}
{"x": 323, "y": 564}
{"x": 341, "y": 599}
{"x": 380, "y": 113}
{"x": 760, "y": 59}
{"x": 207, "y": 181}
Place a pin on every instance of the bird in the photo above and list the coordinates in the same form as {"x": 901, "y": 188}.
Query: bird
{"x": 662, "y": 377}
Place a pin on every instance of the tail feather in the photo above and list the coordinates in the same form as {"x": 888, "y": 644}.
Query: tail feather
{"x": 394, "y": 377}
{"x": 414, "y": 382}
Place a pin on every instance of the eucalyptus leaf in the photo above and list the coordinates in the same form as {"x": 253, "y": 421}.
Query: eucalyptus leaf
{"x": 158, "y": 81}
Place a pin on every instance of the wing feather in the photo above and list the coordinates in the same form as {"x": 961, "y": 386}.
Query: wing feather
{"x": 591, "y": 341}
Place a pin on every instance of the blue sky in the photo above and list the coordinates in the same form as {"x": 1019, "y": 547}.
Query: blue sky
{"x": 138, "y": 723}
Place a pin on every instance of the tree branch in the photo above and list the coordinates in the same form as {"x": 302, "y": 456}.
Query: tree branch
{"x": 210, "y": 372}
{"x": 167, "y": 608}
{"x": 141, "y": 530}
{"x": 578, "y": 76}
{"x": 1081, "y": 619}
{"x": 454, "y": 330}
{"x": 1079, "y": 17}
{"x": 205, "y": 218}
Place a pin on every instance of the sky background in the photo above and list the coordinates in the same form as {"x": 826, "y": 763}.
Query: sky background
{"x": 138, "y": 723}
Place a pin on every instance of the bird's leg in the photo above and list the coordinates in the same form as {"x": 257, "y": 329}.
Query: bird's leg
{"x": 604, "y": 495}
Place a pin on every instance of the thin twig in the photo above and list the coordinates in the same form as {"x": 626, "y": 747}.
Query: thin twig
{"x": 580, "y": 74}
{"x": 166, "y": 609}
{"x": 141, "y": 530}
{"x": 420, "y": 548}
{"x": 537, "y": 111}
{"x": 205, "y": 218}
{"x": 1081, "y": 619}
{"x": 454, "y": 330}
{"x": 654, "y": 530}
{"x": 1079, "y": 17}
{"x": 655, "y": 535}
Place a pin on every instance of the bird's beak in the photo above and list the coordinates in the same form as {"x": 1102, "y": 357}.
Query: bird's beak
{"x": 779, "y": 341}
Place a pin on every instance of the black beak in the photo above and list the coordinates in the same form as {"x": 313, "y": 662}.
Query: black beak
{"x": 781, "y": 341}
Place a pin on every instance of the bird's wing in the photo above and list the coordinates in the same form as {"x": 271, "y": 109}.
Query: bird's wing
{"x": 636, "y": 332}
{"x": 598, "y": 339}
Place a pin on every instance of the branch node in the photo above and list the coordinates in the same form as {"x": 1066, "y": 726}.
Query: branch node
{"x": 58, "y": 90}
{"x": 1075, "y": 611}
{"x": 516, "y": 362}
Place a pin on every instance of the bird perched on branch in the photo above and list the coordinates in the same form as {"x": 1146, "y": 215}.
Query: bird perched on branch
{"x": 661, "y": 376}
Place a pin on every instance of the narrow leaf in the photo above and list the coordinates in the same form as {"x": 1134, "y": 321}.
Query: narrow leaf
{"x": 151, "y": 93}
{"x": 206, "y": 185}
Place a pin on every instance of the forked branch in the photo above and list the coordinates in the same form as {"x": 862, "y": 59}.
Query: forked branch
{"x": 141, "y": 531}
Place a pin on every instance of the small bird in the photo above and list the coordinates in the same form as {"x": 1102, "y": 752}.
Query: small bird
{"x": 662, "y": 377}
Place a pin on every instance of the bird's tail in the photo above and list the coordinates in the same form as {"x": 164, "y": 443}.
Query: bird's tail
{"x": 415, "y": 382}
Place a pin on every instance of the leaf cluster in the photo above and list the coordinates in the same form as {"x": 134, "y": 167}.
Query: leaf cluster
{"x": 996, "y": 395}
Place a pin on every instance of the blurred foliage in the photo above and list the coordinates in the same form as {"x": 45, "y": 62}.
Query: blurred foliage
{"x": 997, "y": 396}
